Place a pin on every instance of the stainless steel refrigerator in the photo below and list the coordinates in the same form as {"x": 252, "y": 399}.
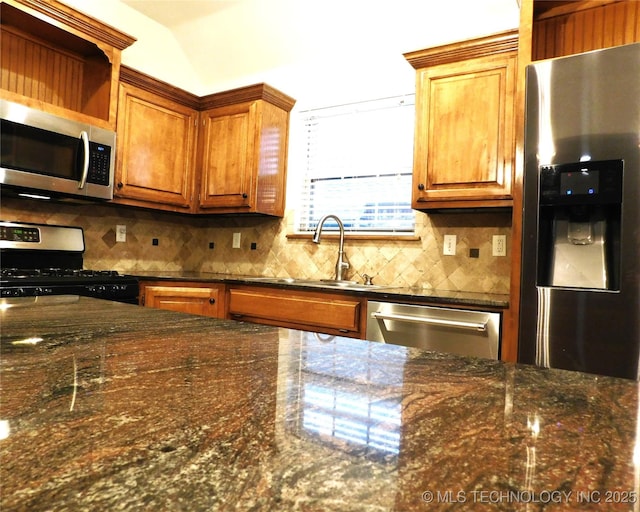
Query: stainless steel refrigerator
{"x": 580, "y": 289}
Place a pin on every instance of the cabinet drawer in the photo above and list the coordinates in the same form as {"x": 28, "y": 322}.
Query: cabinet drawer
{"x": 329, "y": 313}
{"x": 192, "y": 298}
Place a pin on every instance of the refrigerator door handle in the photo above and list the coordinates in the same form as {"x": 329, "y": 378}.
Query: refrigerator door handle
{"x": 542, "y": 334}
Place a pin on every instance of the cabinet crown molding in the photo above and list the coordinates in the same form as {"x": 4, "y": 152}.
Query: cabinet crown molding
{"x": 221, "y": 99}
{"x": 249, "y": 93}
{"x": 494, "y": 44}
{"x": 89, "y": 27}
{"x": 153, "y": 85}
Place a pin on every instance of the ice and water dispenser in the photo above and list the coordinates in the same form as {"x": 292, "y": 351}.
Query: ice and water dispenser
{"x": 579, "y": 221}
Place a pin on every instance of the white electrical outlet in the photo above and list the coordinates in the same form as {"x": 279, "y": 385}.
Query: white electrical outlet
{"x": 121, "y": 233}
{"x": 449, "y": 245}
{"x": 236, "y": 241}
{"x": 499, "y": 245}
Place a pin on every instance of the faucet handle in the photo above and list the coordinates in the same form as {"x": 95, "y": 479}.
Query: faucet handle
{"x": 368, "y": 280}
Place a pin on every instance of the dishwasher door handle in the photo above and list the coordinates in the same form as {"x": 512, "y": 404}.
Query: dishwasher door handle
{"x": 458, "y": 324}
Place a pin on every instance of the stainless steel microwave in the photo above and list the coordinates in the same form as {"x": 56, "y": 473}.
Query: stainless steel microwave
{"x": 47, "y": 153}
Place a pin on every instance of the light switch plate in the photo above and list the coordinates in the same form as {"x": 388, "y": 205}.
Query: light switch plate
{"x": 236, "y": 241}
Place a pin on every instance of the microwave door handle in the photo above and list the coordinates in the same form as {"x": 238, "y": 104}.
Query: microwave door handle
{"x": 85, "y": 161}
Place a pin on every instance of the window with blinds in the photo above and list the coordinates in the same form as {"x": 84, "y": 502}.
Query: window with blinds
{"x": 359, "y": 160}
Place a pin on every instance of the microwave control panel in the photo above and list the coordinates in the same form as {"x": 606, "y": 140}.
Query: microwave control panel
{"x": 99, "y": 163}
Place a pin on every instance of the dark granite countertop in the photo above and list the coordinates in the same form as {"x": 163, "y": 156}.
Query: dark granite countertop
{"x": 387, "y": 293}
{"x": 108, "y": 406}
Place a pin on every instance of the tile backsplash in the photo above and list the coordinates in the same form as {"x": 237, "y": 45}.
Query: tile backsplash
{"x": 184, "y": 243}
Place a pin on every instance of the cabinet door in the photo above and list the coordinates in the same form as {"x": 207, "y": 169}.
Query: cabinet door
{"x": 206, "y": 301}
{"x": 228, "y": 157}
{"x": 156, "y": 150}
{"x": 464, "y": 145}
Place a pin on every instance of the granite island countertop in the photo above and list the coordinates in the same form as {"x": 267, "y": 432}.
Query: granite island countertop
{"x": 108, "y": 406}
{"x": 416, "y": 294}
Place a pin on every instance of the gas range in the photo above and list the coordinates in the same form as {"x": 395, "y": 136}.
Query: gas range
{"x": 41, "y": 259}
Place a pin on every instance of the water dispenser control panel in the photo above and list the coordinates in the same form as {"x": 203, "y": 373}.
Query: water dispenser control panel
{"x": 598, "y": 182}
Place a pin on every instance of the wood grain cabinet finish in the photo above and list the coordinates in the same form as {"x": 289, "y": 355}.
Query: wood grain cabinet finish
{"x": 570, "y": 27}
{"x": 228, "y": 157}
{"x": 156, "y": 151}
{"x": 61, "y": 61}
{"x": 187, "y": 297}
{"x": 243, "y": 151}
{"x": 327, "y": 313}
{"x": 222, "y": 153}
{"x": 464, "y": 148}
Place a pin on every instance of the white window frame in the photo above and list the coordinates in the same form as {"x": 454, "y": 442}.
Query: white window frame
{"x": 339, "y": 164}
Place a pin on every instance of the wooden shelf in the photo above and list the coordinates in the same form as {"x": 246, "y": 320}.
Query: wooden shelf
{"x": 61, "y": 61}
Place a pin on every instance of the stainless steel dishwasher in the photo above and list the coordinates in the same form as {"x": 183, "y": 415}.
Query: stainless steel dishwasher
{"x": 456, "y": 331}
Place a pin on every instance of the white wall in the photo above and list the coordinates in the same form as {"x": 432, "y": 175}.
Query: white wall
{"x": 318, "y": 51}
{"x": 156, "y": 50}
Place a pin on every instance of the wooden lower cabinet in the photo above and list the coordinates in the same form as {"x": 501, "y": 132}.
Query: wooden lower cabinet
{"x": 329, "y": 313}
{"x": 204, "y": 299}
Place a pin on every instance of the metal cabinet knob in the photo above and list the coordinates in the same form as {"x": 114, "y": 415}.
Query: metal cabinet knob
{"x": 421, "y": 186}
{"x": 212, "y": 301}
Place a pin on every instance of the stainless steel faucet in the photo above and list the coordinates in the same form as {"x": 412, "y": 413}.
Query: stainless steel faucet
{"x": 341, "y": 265}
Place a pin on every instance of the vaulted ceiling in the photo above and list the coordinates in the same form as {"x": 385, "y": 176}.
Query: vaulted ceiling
{"x": 225, "y": 40}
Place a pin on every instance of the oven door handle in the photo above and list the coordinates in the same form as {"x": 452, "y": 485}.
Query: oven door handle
{"x": 458, "y": 324}
{"x": 85, "y": 161}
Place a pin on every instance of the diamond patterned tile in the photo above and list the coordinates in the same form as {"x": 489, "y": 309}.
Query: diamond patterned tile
{"x": 184, "y": 245}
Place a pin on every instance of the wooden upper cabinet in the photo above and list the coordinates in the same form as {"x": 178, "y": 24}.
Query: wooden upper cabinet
{"x": 156, "y": 144}
{"x": 244, "y": 137}
{"x": 224, "y": 153}
{"x": 464, "y": 148}
{"x": 563, "y": 28}
{"x": 228, "y": 156}
{"x": 61, "y": 61}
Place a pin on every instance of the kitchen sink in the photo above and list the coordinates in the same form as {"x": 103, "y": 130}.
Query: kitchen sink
{"x": 315, "y": 283}
{"x": 347, "y": 285}
{"x": 278, "y": 280}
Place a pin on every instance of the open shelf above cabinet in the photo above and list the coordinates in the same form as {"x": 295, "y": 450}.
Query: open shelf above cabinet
{"x": 59, "y": 60}
{"x": 561, "y": 28}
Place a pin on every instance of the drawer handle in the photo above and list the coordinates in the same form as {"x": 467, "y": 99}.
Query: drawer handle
{"x": 475, "y": 326}
{"x": 212, "y": 301}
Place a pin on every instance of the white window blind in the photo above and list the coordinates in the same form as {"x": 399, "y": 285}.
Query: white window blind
{"x": 359, "y": 161}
